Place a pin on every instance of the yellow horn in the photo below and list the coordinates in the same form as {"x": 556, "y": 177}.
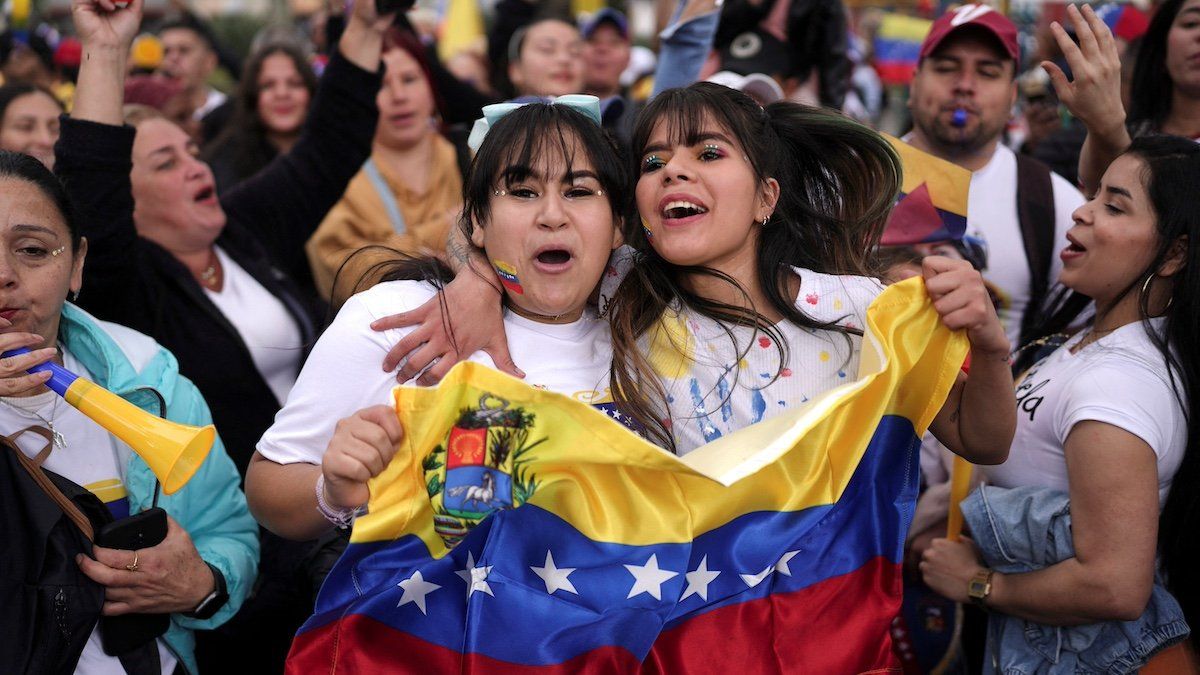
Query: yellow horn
{"x": 173, "y": 451}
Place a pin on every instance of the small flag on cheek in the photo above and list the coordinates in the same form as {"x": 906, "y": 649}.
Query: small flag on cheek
{"x": 508, "y": 276}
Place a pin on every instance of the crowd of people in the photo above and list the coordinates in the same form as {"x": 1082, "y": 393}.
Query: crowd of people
{"x": 692, "y": 241}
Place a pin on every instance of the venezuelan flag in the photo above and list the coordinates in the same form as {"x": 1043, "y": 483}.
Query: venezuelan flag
{"x": 898, "y": 46}
{"x": 932, "y": 205}
{"x": 777, "y": 548}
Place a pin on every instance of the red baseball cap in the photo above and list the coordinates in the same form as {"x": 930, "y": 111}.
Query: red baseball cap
{"x": 973, "y": 15}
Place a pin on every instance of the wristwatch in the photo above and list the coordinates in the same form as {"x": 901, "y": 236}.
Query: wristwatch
{"x": 214, "y": 601}
{"x": 980, "y": 587}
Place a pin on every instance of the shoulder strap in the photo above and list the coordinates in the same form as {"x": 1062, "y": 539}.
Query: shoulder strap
{"x": 1035, "y": 212}
{"x": 385, "y": 195}
{"x": 43, "y": 481}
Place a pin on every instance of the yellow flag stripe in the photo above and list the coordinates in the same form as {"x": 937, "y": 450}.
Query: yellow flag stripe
{"x": 615, "y": 487}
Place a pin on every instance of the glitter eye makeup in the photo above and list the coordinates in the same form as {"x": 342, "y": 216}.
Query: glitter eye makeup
{"x": 58, "y": 250}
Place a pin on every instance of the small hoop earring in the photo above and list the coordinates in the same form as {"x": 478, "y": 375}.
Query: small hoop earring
{"x": 74, "y": 296}
{"x": 766, "y": 219}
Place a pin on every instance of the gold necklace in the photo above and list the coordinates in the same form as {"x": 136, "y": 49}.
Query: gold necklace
{"x": 208, "y": 276}
{"x": 1091, "y": 338}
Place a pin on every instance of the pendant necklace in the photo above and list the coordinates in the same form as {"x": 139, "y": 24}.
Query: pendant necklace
{"x": 59, "y": 440}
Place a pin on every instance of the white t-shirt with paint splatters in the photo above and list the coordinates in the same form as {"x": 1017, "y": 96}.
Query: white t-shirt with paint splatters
{"x": 715, "y": 388}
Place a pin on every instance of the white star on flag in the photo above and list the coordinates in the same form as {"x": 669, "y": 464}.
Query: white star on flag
{"x": 698, "y": 580}
{"x": 782, "y": 565}
{"x": 555, "y": 578}
{"x": 648, "y": 578}
{"x": 476, "y": 577}
{"x": 753, "y": 580}
{"x": 415, "y": 590}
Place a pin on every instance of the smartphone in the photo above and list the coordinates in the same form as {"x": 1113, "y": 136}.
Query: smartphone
{"x": 120, "y": 634}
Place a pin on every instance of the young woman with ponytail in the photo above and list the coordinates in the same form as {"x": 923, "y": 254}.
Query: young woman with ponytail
{"x": 1110, "y": 416}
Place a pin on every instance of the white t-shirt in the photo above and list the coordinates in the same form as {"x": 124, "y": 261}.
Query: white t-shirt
{"x": 714, "y": 388}
{"x": 90, "y": 458}
{"x": 992, "y": 216}
{"x": 1120, "y": 380}
{"x": 344, "y": 373}
{"x": 269, "y": 331}
{"x": 213, "y": 101}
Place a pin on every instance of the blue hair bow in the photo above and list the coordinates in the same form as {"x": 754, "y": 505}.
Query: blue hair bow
{"x": 588, "y": 105}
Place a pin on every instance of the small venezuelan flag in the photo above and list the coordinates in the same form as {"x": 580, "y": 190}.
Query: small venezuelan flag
{"x": 508, "y": 276}
{"x": 932, "y": 205}
{"x": 518, "y": 530}
{"x": 898, "y": 46}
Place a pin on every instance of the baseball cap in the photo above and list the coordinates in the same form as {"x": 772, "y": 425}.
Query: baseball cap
{"x": 757, "y": 51}
{"x": 605, "y": 15}
{"x": 973, "y": 15}
{"x": 756, "y": 85}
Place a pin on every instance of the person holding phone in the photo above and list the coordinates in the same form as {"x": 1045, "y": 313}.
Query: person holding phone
{"x": 202, "y": 567}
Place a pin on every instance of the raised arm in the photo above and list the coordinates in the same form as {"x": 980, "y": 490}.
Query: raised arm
{"x": 685, "y": 43}
{"x": 286, "y": 201}
{"x": 979, "y": 417}
{"x": 1094, "y": 96}
{"x": 94, "y": 160}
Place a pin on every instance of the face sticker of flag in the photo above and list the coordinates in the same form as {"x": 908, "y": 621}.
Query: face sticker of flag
{"x": 508, "y": 276}
{"x": 590, "y": 550}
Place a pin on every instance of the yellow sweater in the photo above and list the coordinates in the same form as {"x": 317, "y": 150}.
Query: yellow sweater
{"x": 360, "y": 219}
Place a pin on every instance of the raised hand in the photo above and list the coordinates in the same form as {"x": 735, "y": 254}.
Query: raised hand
{"x": 361, "y": 448}
{"x": 962, "y": 300}
{"x": 104, "y": 23}
{"x": 1094, "y": 95}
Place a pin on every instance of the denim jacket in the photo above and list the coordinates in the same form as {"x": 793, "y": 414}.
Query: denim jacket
{"x": 1029, "y": 528}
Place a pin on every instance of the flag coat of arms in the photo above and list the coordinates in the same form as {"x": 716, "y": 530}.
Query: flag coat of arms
{"x": 518, "y": 530}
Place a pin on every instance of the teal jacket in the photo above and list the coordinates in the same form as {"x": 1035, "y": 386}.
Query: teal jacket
{"x": 211, "y": 508}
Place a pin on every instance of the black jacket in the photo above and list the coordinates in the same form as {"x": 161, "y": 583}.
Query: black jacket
{"x": 133, "y": 281}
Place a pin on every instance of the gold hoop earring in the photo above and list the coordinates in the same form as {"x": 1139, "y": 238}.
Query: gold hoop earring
{"x": 1146, "y": 300}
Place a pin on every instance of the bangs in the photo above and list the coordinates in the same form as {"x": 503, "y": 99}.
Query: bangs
{"x": 550, "y": 153}
{"x": 549, "y": 142}
{"x": 689, "y": 115}
{"x": 686, "y": 120}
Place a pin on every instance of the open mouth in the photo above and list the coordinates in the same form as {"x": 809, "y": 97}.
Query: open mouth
{"x": 205, "y": 194}
{"x": 682, "y": 209}
{"x": 554, "y": 256}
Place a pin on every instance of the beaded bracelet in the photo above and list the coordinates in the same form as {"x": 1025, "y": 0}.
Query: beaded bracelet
{"x": 339, "y": 517}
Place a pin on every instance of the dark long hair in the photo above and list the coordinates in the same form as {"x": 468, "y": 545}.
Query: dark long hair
{"x": 16, "y": 166}
{"x": 838, "y": 180}
{"x": 243, "y": 142}
{"x": 521, "y": 143}
{"x": 1171, "y": 172}
{"x": 15, "y": 90}
{"x": 1152, "y": 90}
